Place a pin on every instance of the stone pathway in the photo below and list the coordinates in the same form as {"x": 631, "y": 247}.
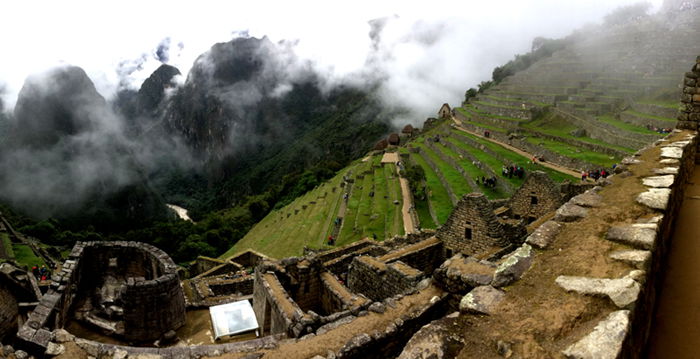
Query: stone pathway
{"x": 675, "y": 331}
{"x": 550, "y": 165}
{"x": 408, "y": 226}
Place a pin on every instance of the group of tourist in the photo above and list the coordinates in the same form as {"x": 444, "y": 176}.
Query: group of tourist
{"x": 487, "y": 182}
{"x": 659, "y": 129}
{"x": 594, "y": 174}
{"x": 513, "y": 170}
{"x": 41, "y": 272}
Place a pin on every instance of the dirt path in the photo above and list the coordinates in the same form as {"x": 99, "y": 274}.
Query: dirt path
{"x": 675, "y": 331}
{"x": 408, "y": 225}
{"x": 553, "y": 166}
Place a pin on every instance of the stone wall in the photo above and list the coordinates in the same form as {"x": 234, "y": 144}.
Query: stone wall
{"x": 274, "y": 310}
{"x": 689, "y": 115}
{"x": 154, "y": 300}
{"x": 472, "y": 227}
{"x": 378, "y": 280}
{"x": 537, "y": 196}
{"x": 8, "y": 311}
{"x": 249, "y": 258}
{"x": 424, "y": 256}
{"x": 203, "y": 264}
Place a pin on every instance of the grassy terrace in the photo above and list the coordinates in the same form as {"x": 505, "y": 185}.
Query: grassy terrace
{"x": 486, "y": 114}
{"x": 646, "y": 115}
{"x": 555, "y": 126}
{"x": 574, "y": 152}
{"x": 280, "y": 236}
{"x": 627, "y": 126}
{"x": 512, "y": 157}
{"x": 438, "y": 198}
{"x": 25, "y": 256}
{"x": 393, "y": 217}
{"x": 491, "y": 104}
{"x": 667, "y": 104}
{"x": 455, "y": 180}
{"x": 474, "y": 171}
{"x": 480, "y": 124}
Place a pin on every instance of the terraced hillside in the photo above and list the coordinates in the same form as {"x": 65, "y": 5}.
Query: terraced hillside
{"x": 362, "y": 200}
{"x": 605, "y": 95}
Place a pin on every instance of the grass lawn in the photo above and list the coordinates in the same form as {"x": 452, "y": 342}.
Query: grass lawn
{"x": 455, "y": 180}
{"x": 646, "y": 115}
{"x": 437, "y": 195}
{"x": 25, "y": 256}
{"x": 595, "y": 158}
{"x": 627, "y": 126}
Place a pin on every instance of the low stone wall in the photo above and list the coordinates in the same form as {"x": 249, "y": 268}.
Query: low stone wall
{"x": 8, "y": 311}
{"x": 472, "y": 227}
{"x": 203, "y": 264}
{"x": 377, "y": 280}
{"x": 274, "y": 309}
{"x": 424, "y": 256}
{"x": 340, "y": 265}
{"x": 249, "y": 258}
{"x": 518, "y": 113}
{"x": 153, "y": 299}
{"x": 439, "y": 174}
{"x": 655, "y": 110}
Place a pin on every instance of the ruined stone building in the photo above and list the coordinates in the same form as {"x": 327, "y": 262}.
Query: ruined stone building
{"x": 445, "y": 111}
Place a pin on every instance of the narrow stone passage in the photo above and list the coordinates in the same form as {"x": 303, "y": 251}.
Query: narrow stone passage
{"x": 675, "y": 331}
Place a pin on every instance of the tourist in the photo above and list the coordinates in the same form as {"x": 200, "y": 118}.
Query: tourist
{"x": 583, "y": 176}
{"x": 35, "y": 271}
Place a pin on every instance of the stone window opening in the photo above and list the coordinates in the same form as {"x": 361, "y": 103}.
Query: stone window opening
{"x": 113, "y": 262}
{"x": 468, "y": 231}
{"x": 533, "y": 200}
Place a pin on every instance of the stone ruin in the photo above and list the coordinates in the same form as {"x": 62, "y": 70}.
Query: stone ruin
{"x": 132, "y": 290}
{"x": 127, "y": 289}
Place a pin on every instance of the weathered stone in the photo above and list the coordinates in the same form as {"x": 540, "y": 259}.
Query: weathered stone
{"x": 120, "y": 354}
{"x": 640, "y": 235}
{"x": 679, "y": 144}
{"x": 318, "y": 357}
{"x": 21, "y": 354}
{"x": 461, "y": 274}
{"x": 437, "y": 340}
{"x": 354, "y": 345}
{"x": 659, "y": 181}
{"x": 62, "y": 336}
{"x": 544, "y": 234}
{"x": 570, "y": 212}
{"x": 54, "y": 349}
{"x": 671, "y": 152}
{"x": 666, "y": 171}
{"x": 333, "y": 325}
{"x": 377, "y": 307}
{"x": 587, "y": 199}
{"x": 622, "y": 292}
{"x": 481, "y": 300}
{"x": 637, "y": 258}
{"x": 630, "y": 161}
{"x": 605, "y": 341}
{"x": 513, "y": 267}
{"x": 656, "y": 198}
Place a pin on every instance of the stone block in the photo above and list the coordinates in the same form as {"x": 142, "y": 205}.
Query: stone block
{"x": 514, "y": 266}
{"x": 637, "y": 235}
{"x": 623, "y": 291}
{"x": 656, "y": 198}
{"x": 659, "y": 181}
{"x": 605, "y": 341}
{"x": 570, "y": 212}
{"x": 666, "y": 171}
{"x": 481, "y": 300}
{"x": 587, "y": 199}
{"x": 671, "y": 152}
{"x": 544, "y": 234}
{"x": 635, "y": 257}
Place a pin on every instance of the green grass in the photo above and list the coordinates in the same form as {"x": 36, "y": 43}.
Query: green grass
{"x": 7, "y": 244}
{"x": 512, "y": 157}
{"x": 492, "y": 162}
{"x": 455, "y": 180}
{"x": 574, "y": 152}
{"x": 437, "y": 195}
{"x": 627, "y": 126}
{"x": 394, "y": 216}
{"x": 653, "y": 117}
{"x": 25, "y": 256}
{"x": 668, "y": 104}
{"x": 491, "y": 104}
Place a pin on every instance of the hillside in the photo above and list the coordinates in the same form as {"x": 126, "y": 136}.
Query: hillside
{"x": 606, "y": 92}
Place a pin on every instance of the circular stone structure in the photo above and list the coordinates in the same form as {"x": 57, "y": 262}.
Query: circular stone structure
{"x": 130, "y": 289}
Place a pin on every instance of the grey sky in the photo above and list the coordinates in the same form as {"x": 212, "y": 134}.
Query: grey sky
{"x": 432, "y": 50}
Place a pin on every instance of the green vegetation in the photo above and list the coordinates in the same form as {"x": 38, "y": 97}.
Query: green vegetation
{"x": 7, "y": 244}
{"x": 436, "y": 194}
{"x": 653, "y": 117}
{"x": 574, "y": 152}
{"x": 24, "y": 256}
{"x": 627, "y": 126}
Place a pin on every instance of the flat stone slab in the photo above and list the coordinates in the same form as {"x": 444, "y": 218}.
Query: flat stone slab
{"x": 671, "y": 152}
{"x": 605, "y": 341}
{"x": 680, "y": 144}
{"x": 669, "y": 161}
{"x": 635, "y": 257}
{"x": 659, "y": 181}
{"x": 656, "y": 198}
{"x": 481, "y": 300}
{"x": 544, "y": 234}
{"x": 630, "y": 161}
{"x": 622, "y": 291}
{"x": 640, "y": 235}
{"x": 587, "y": 199}
{"x": 514, "y": 266}
{"x": 666, "y": 171}
{"x": 461, "y": 274}
{"x": 570, "y": 212}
